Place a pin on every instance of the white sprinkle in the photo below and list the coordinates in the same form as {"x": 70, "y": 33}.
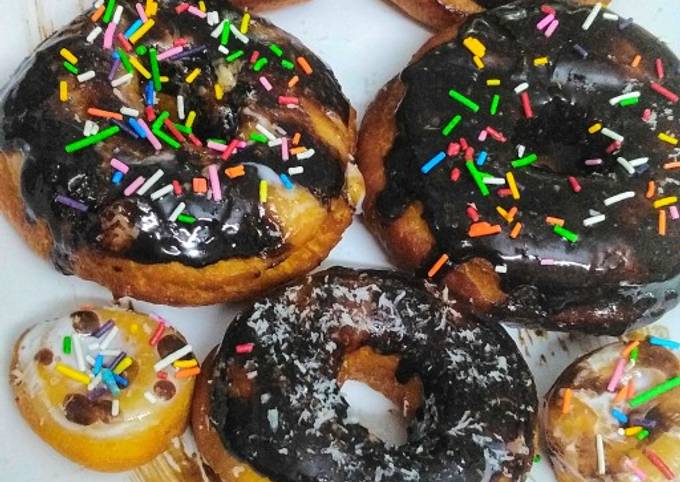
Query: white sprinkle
{"x": 501, "y": 268}
{"x": 90, "y": 128}
{"x": 213, "y": 18}
{"x": 619, "y": 98}
{"x": 521, "y": 149}
{"x": 91, "y": 361}
{"x": 85, "y": 76}
{"x": 612, "y": 135}
{"x": 601, "y": 466}
{"x": 95, "y": 381}
{"x": 306, "y": 154}
{"x": 218, "y": 30}
{"x": 494, "y": 181}
{"x": 98, "y": 3}
{"x": 273, "y": 417}
{"x": 267, "y": 133}
{"x": 129, "y": 111}
{"x": 150, "y": 182}
{"x": 594, "y": 212}
{"x": 115, "y": 407}
{"x": 224, "y": 50}
{"x": 591, "y": 221}
{"x": 172, "y": 357}
{"x": 124, "y": 79}
{"x": 93, "y": 346}
{"x": 78, "y": 349}
{"x": 109, "y": 338}
{"x": 180, "y": 107}
{"x": 150, "y": 397}
{"x": 275, "y": 142}
{"x": 592, "y": 16}
{"x": 610, "y": 16}
{"x": 639, "y": 161}
{"x": 237, "y": 33}
{"x": 251, "y": 375}
{"x": 178, "y": 210}
{"x": 619, "y": 197}
{"x": 109, "y": 352}
{"x": 96, "y": 32}
{"x": 296, "y": 170}
{"x": 521, "y": 87}
{"x": 118, "y": 14}
{"x": 164, "y": 191}
{"x": 626, "y": 165}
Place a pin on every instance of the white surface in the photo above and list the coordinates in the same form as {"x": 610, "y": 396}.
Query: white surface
{"x": 366, "y": 42}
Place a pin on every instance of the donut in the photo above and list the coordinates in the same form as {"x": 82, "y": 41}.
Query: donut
{"x": 99, "y": 386}
{"x": 528, "y": 161}
{"x": 171, "y": 157}
{"x": 444, "y": 397}
{"x": 614, "y": 414}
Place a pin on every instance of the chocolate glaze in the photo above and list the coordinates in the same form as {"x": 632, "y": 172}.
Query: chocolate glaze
{"x": 620, "y": 272}
{"x": 33, "y": 121}
{"x": 479, "y": 412}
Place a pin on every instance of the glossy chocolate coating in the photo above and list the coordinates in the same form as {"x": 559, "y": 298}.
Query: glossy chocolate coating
{"x": 620, "y": 272}
{"x": 34, "y": 122}
{"x": 478, "y": 417}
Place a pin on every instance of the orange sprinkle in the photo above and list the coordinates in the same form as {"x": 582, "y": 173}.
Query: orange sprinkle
{"x": 438, "y": 265}
{"x": 636, "y": 60}
{"x": 200, "y": 185}
{"x": 293, "y": 81}
{"x": 554, "y": 221}
{"x": 297, "y": 150}
{"x": 517, "y": 228}
{"x": 651, "y": 190}
{"x": 672, "y": 165}
{"x": 104, "y": 113}
{"x": 188, "y": 372}
{"x": 236, "y": 171}
{"x": 621, "y": 395}
{"x": 630, "y": 389}
{"x": 305, "y": 65}
{"x": 483, "y": 228}
{"x": 512, "y": 213}
{"x": 566, "y": 400}
{"x": 662, "y": 222}
{"x": 98, "y": 13}
{"x": 631, "y": 346}
{"x": 296, "y": 138}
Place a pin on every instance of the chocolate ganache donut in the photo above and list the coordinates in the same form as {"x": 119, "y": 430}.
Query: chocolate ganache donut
{"x": 175, "y": 155}
{"x": 278, "y": 399}
{"x": 528, "y": 160}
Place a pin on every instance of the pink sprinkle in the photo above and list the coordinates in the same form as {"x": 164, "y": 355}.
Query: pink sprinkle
{"x": 108, "y": 36}
{"x": 454, "y": 149}
{"x": 216, "y": 146}
{"x": 547, "y": 9}
{"x": 150, "y": 135}
{"x": 245, "y": 348}
{"x": 547, "y": 262}
{"x": 121, "y": 166}
{"x": 593, "y": 162}
{"x": 614, "y": 146}
{"x": 575, "y": 186}
{"x": 288, "y": 100}
{"x": 616, "y": 377}
{"x": 255, "y": 55}
{"x": 141, "y": 12}
{"x": 660, "y": 71}
{"x": 496, "y": 135}
{"x": 215, "y": 182}
{"x": 196, "y": 11}
{"x": 265, "y": 83}
{"x": 170, "y": 52}
{"x": 455, "y": 174}
{"x": 646, "y": 115}
{"x": 547, "y": 20}
{"x": 635, "y": 469}
{"x": 551, "y": 28}
{"x": 673, "y": 210}
{"x": 136, "y": 184}
{"x": 469, "y": 153}
{"x": 180, "y": 42}
{"x": 284, "y": 149}
{"x": 673, "y": 97}
{"x": 526, "y": 105}
{"x": 463, "y": 143}
{"x": 182, "y": 7}
{"x": 483, "y": 135}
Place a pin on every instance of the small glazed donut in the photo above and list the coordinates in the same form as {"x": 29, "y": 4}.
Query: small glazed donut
{"x": 528, "y": 160}
{"x": 274, "y": 401}
{"x": 614, "y": 414}
{"x": 171, "y": 157}
{"x": 99, "y": 386}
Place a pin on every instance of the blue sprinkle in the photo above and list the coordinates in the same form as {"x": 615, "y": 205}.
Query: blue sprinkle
{"x": 581, "y": 51}
{"x": 133, "y": 28}
{"x": 286, "y": 181}
{"x": 116, "y": 55}
{"x": 120, "y": 381}
{"x": 432, "y": 163}
{"x": 150, "y": 94}
{"x": 110, "y": 382}
{"x": 117, "y": 177}
{"x": 481, "y": 158}
{"x": 670, "y": 344}
{"x": 98, "y": 364}
{"x": 619, "y": 416}
{"x": 138, "y": 129}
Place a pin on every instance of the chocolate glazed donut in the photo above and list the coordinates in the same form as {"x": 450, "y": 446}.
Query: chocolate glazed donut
{"x": 272, "y": 408}
{"x": 528, "y": 160}
{"x": 244, "y": 180}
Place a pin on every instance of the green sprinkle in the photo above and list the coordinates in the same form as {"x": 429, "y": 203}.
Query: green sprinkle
{"x": 186, "y": 218}
{"x": 141, "y": 50}
{"x": 645, "y": 397}
{"x": 125, "y": 60}
{"x": 478, "y": 176}
{"x": 631, "y": 101}
{"x": 451, "y": 125}
{"x": 537, "y": 458}
{"x": 457, "y": 96}
{"x": 217, "y": 141}
{"x": 276, "y": 49}
{"x": 494, "y": 104}
{"x": 525, "y": 161}
{"x": 70, "y": 67}
{"x": 167, "y": 139}
{"x": 236, "y": 55}
{"x": 67, "y": 345}
{"x": 642, "y": 435}
{"x": 634, "y": 354}
{"x": 110, "y": 9}
{"x": 259, "y": 65}
{"x": 88, "y": 141}
{"x": 258, "y": 137}
{"x": 287, "y": 64}
{"x": 155, "y": 70}
{"x": 160, "y": 120}
{"x": 565, "y": 233}
{"x": 183, "y": 129}
{"x": 226, "y": 31}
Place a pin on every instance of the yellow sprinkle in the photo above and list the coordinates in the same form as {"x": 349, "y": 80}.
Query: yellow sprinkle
{"x": 666, "y": 201}
{"x": 632, "y": 431}
{"x": 73, "y": 374}
{"x": 190, "y": 119}
{"x": 151, "y": 7}
{"x": 193, "y": 75}
{"x": 478, "y": 62}
{"x": 140, "y": 68}
{"x": 165, "y": 79}
{"x": 124, "y": 364}
{"x": 595, "y": 128}
{"x": 185, "y": 364}
{"x": 541, "y": 60}
{"x": 474, "y": 45}
{"x": 493, "y": 82}
{"x": 670, "y": 139}
{"x": 263, "y": 191}
{"x": 201, "y": 6}
{"x": 510, "y": 177}
{"x": 245, "y": 23}
{"x": 66, "y": 53}
{"x": 142, "y": 30}
{"x": 63, "y": 91}
{"x": 219, "y": 92}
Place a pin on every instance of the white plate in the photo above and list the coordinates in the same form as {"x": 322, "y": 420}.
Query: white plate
{"x": 366, "y": 42}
